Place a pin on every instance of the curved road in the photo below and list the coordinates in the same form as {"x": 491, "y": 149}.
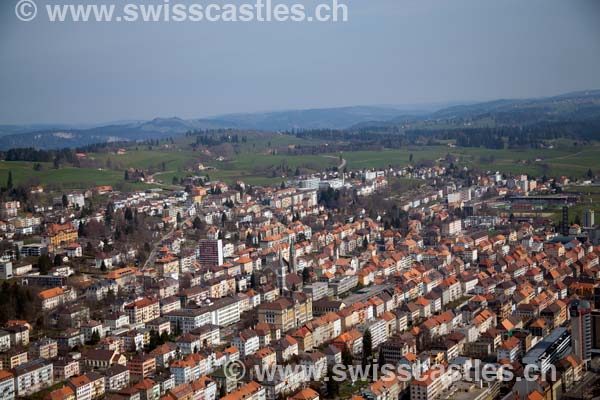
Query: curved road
{"x": 342, "y": 165}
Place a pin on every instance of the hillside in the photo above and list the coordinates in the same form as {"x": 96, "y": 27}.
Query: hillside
{"x": 578, "y": 107}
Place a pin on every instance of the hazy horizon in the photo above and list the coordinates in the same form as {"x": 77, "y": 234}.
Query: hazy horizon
{"x": 431, "y": 106}
{"x": 390, "y": 52}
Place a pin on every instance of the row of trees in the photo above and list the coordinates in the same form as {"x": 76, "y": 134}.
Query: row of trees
{"x": 36, "y": 155}
{"x": 16, "y": 302}
{"x": 513, "y": 137}
{"x": 213, "y": 140}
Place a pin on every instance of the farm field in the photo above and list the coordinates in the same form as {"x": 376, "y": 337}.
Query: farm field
{"x": 258, "y": 169}
{"x": 255, "y": 164}
{"x": 142, "y": 158}
{"x": 66, "y": 177}
{"x": 570, "y": 161}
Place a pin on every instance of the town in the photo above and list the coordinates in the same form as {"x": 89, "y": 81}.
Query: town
{"x": 157, "y": 293}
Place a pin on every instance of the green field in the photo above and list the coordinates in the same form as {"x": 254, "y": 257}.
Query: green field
{"x": 254, "y": 163}
{"x": 256, "y": 169}
{"x": 590, "y": 199}
{"x": 67, "y": 177}
{"x": 570, "y": 161}
{"x": 173, "y": 159}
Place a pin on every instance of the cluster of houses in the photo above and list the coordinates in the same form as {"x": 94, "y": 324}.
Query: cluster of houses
{"x": 278, "y": 279}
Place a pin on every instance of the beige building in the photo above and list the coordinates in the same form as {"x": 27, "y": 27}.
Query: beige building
{"x": 143, "y": 310}
{"x": 287, "y": 312}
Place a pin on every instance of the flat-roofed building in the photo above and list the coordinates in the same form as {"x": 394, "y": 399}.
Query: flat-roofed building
{"x": 551, "y": 349}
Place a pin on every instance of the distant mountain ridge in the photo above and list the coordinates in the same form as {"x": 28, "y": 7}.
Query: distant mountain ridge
{"x": 583, "y": 105}
{"x": 60, "y": 136}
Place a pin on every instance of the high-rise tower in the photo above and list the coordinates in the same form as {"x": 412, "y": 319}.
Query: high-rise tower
{"x": 564, "y": 224}
{"x": 581, "y": 328}
{"x": 588, "y": 219}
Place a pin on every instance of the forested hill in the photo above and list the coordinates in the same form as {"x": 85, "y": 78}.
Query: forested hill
{"x": 570, "y": 115}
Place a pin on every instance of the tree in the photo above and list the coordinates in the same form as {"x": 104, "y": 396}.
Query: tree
{"x": 95, "y": 338}
{"x": 128, "y": 214}
{"x": 154, "y": 340}
{"x": 110, "y": 296}
{"x": 44, "y": 264}
{"x": 249, "y": 239}
{"x": 367, "y": 348}
{"x": 347, "y": 358}
{"x": 58, "y": 260}
{"x": 381, "y": 359}
{"x": 16, "y": 302}
{"x": 108, "y": 215}
{"x": 197, "y": 223}
{"x": 89, "y": 248}
{"x": 9, "y": 180}
{"x": 333, "y": 387}
{"x": 164, "y": 338}
{"x": 410, "y": 158}
{"x": 103, "y": 266}
{"x": 179, "y": 218}
{"x": 177, "y": 329}
{"x": 305, "y": 275}
{"x": 81, "y": 230}
{"x": 590, "y": 174}
{"x": 65, "y": 201}
{"x": 126, "y": 177}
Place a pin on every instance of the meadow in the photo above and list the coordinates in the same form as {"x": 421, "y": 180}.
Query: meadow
{"x": 562, "y": 160}
{"x": 254, "y": 162}
{"x": 65, "y": 176}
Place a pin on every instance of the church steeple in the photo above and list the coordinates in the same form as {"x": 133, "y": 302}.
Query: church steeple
{"x": 282, "y": 270}
{"x": 292, "y": 256}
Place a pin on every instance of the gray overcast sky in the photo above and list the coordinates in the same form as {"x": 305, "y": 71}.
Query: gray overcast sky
{"x": 390, "y": 52}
